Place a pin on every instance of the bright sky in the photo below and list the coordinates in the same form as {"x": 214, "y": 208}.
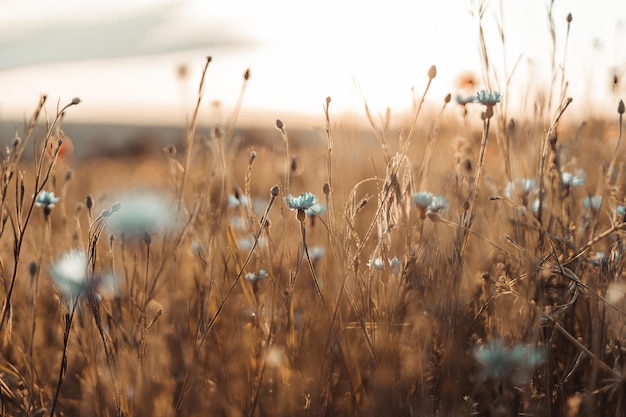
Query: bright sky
{"x": 121, "y": 57}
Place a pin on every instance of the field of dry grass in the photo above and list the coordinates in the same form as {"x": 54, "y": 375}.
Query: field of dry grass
{"x": 457, "y": 261}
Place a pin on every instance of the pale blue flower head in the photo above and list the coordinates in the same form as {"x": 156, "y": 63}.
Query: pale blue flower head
{"x": 376, "y": 263}
{"x": 304, "y": 202}
{"x": 422, "y": 199}
{"x": 502, "y": 362}
{"x": 438, "y": 204}
{"x": 69, "y": 273}
{"x": 379, "y": 264}
{"x": 317, "y": 252}
{"x": 521, "y": 186}
{"x": 143, "y": 212}
{"x": 488, "y": 98}
{"x": 620, "y": 210}
{"x": 237, "y": 201}
{"x": 254, "y": 277}
{"x": 46, "y": 199}
{"x": 465, "y": 100}
{"x": 573, "y": 180}
{"x": 316, "y": 209}
{"x": 592, "y": 203}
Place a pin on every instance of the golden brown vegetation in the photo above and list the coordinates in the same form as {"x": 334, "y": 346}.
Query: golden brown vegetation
{"x": 506, "y": 298}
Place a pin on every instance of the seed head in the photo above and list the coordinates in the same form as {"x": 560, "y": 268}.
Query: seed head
{"x": 432, "y": 72}
{"x": 275, "y": 190}
{"x": 620, "y": 107}
{"x": 280, "y": 125}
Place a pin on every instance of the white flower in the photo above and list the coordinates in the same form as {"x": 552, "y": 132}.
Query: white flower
{"x": 572, "y": 180}
{"x": 69, "y": 273}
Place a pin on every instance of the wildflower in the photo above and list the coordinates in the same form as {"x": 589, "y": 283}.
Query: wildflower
{"x": 376, "y": 263}
{"x": 70, "y": 274}
{"x": 429, "y": 204}
{"x": 501, "y": 362}
{"x": 301, "y": 204}
{"x": 238, "y": 223}
{"x": 379, "y": 264}
{"x": 572, "y": 180}
{"x": 621, "y": 211}
{"x": 316, "y": 253}
{"x": 438, "y": 204}
{"x": 465, "y": 100}
{"x": 143, "y": 213}
{"x": 237, "y": 201}
{"x": 304, "y": 202}
{"x": 522, "y": 188}
{"x": 46, "y": 200}
{"x": 316, "y": 209}
{"x": 256, "y": 277}
{"x": 488, "y": 98}
{"x": 422, "y": 199}
{"x": 592, "y": 203}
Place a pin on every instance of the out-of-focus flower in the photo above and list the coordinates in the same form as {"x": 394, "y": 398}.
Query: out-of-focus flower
{"x": 143, "y": 212}
{"x": 69, "y": 273}
{"x": 438, "y": 204}
{"x": 254, "y": 277}
{"x": 316, "y": 209}
{"x": 465, "y": 100}
{"x": 238, "y": 223}
{"x": 522, "y": 187}
{"x": 488, "y": 98}
{"x": 316, "y": 253}
{"x": 422, "y": 199}
{"x": 592, "y": 203}
{"x": 376, "y": 263}
{"x": 430, "y": 205}
{"x": 620, "y": 210}
{"x": 46, "y": 199}
{"x": 379, "y": 264}
{"x": 304, "y": 202}
{"x": 237, "y": 201}
{"x": 502, "y": 362}
{"x": 573, "y": 180}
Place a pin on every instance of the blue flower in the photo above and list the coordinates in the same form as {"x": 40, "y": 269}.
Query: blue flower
{"x": 316, "y": 209}
{"x": 592, "y": 203}
{"x": 143, "y": 212}
{"x": 430, "y": 205}
{"x": 572, "y": 180}
{"x": 422, "y": 199}
{"x": 502, "y": 362}
{"x": 488, "y": 98}
{"x": 438, "y": 204}
{"x": 379, "y": 264}
{"x": 46, "y": 199}
{"x": 620, "y": 210}
{"x": 317, "y": 252}
{"x": 465, "y": 100}
{"x": 376, "y": 263}
{"x": 304, "y": 202}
